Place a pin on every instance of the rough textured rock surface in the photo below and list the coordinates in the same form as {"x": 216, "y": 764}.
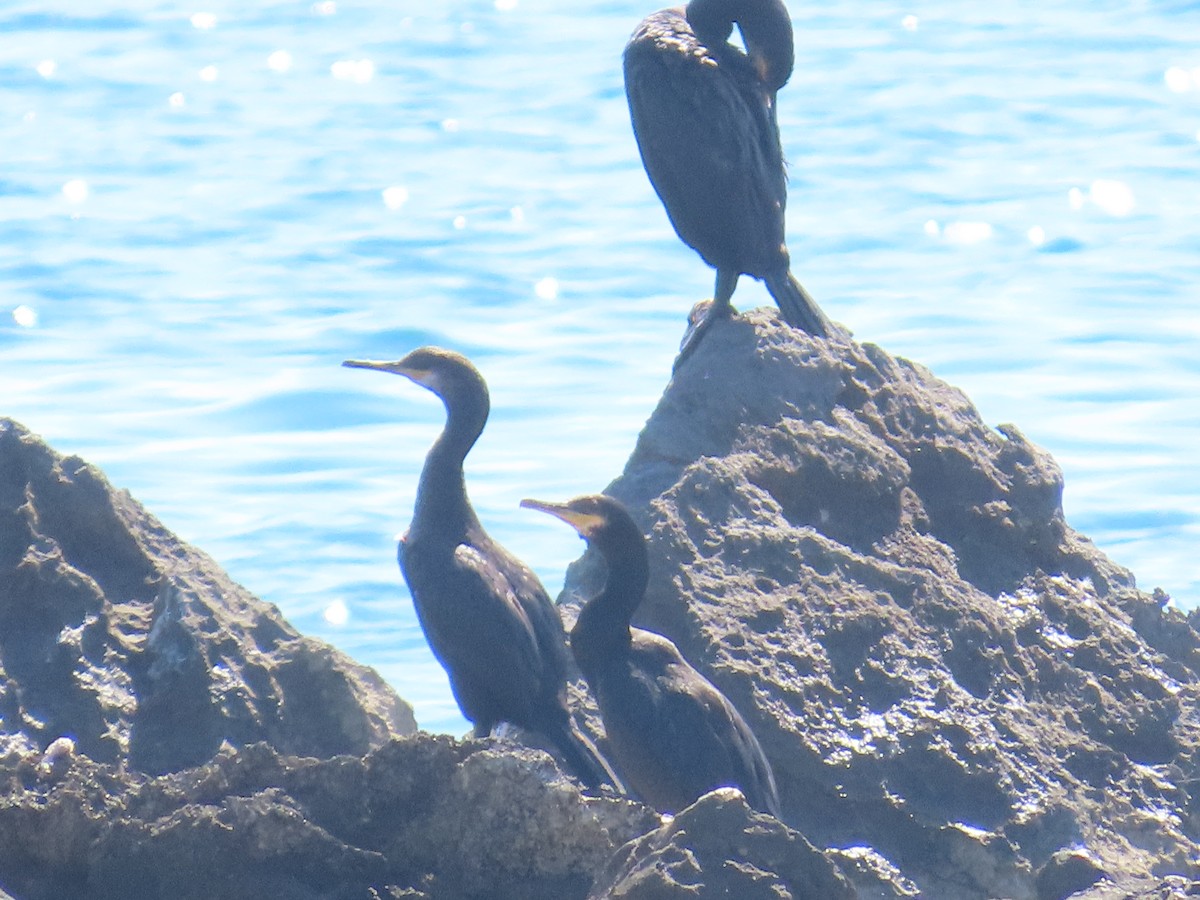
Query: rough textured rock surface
{"x": 719, "y": 847}
{"x": 140, "y": 649}
{"x": 421, "y": 817}
{"x": 1172, "y": 887}
{"x": 961, "y": 697}
{"x": 952, "y": 685}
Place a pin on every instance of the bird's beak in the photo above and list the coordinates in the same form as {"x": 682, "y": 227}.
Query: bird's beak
{"x": 585, "y": 523}
{"x": 396, "y": 368}
{"x": 761, "y": 66}
{"x": 770, "y": 62}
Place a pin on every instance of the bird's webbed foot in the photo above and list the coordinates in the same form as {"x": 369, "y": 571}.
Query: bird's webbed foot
{"x": 700, "y": 319}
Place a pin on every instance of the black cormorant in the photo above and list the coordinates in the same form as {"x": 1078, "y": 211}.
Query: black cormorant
{"x": 486, "y": 616}
{"x": 671, "y": 733}
{"x": 704, "y": 117}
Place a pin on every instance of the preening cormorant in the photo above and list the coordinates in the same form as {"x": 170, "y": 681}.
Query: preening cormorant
{"x": 671, "y": 733}
{"x": 704, "y": 117}
{"x": 486, "y": 616}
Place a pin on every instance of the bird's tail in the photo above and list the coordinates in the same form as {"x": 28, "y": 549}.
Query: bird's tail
{"x": 582, "y": 758}
{"x": 798, "y": 307}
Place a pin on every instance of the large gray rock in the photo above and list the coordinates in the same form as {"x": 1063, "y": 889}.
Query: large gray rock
{"x": 420, "y": 817}
{"x": 140, "y": 648}
{"x": 951, "y": 684}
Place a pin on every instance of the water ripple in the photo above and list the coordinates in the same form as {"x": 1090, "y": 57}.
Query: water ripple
{"x": 191, "y": 307}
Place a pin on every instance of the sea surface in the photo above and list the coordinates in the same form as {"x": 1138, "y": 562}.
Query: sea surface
{"x": 205, "y": 208}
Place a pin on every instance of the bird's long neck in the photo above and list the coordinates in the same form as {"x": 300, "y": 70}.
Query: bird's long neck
{"x": 442, "y": 502}
{"x": 602, "y": 628}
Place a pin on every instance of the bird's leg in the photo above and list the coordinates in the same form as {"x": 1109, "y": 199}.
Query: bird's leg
{"x": 727, "y": 280}
{"x": 705, "y": 313}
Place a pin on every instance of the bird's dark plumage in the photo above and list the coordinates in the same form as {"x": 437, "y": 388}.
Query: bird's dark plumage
{"x": 672, "y": 734}
{"x": 703, "y": 113}
{"x": 486, "y": 616}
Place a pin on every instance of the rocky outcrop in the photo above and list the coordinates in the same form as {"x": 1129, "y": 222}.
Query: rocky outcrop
{"x": 961, "y": 697}
{"x": 719, "y": 847}
{"x": 140, "y": 649}
{"x": 948, "y": 680}
{"x": 419, "y": 817}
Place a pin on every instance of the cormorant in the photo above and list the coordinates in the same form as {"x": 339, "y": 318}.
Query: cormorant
{"x": 486, "y": 616}
{"x": 704, "y": 117}
{"x": 671, "y": 733}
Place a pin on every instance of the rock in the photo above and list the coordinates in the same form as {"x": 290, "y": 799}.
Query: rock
{"x": 140, "y": 649}
{"x": 1171, "y": 887}
{"x": 421, "y": 816}
{"x": 951, "y": 684}
{"x": 1065, "y": 874}
{"x": 719, "y": 847}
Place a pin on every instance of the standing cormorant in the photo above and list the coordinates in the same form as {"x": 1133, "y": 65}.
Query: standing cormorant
{"x": 671, "y": 733}
{"x": 486, "y": 616}
{"x": 704, "y": 117}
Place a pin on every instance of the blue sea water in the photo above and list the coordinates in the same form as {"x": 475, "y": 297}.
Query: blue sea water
{"x": 205, "y": 208}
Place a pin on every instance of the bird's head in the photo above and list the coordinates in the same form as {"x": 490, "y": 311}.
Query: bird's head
{"x": 766, "y": 29}
{"x": 599, "y": 519}
{"x": 444, "y": 372}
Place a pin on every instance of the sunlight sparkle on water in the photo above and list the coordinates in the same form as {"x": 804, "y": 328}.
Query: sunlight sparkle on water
{"x": 25, "y": 316}
{"x": 46, "y": 68}
{"x": 1179, "y": 79}
{"x": 460, "y": 222}
{"x": 337, "y": 613}
{"x": 75, "y": 190}
{"x": 967, "y": 232}
{"x": 327, "y": 8}
{"x": 177, "y": 99}
{"x": 1036, "y": 235}
{"x": 506, "y": 5}
{"x": 279, "y": 61}
{"x": 359, "y": 71}
{"x": 547, "y": 288}
{"x": 910, "y": 23}
{"x": 1075, "y": 198}
{"x": 203, "y": 21}
{"x": 932, "y": 228}
{"x": 209, "y": 73}
{"x": 1114, "y": 197}
{"x": 395, "y": 196}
